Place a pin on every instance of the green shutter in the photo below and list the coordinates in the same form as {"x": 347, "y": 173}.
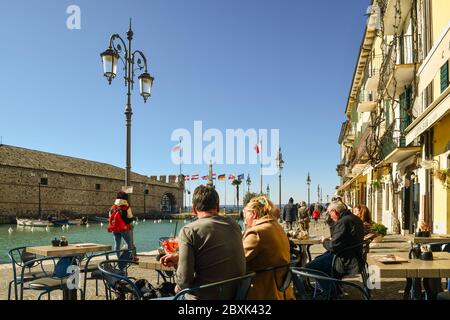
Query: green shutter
{"x": 405, "y": 111}
{"x": 387, "y": 106}
{"x": 444, "y": 76}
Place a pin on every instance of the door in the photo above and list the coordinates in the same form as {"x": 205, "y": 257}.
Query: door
{"x": 406, "y": 209}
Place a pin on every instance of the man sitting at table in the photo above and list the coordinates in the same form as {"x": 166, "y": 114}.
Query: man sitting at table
{"x": 347, "y": 232}
{"x": 210, "y": 249}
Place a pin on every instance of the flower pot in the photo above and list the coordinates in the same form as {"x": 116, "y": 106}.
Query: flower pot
{"x": 378, "y": 239}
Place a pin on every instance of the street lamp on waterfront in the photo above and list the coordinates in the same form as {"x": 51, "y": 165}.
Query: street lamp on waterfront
{"x": 110, "y": 58}
{"x": 268, "y": 191}
{"x": 308, "y": 182}
{"x": 145, "y": 194}
{"x": 249, "y": 182}
{"x": 280, "y": 165}
{"x": 43, "y": 181}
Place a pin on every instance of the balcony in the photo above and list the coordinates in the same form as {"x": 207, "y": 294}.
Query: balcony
{"x": 400, "y": 64}
{"x": 373, "y": 72}
{"x": 393, "y": 146}
{"x": 392, "y": 17}
{"x": 367, "y": 101}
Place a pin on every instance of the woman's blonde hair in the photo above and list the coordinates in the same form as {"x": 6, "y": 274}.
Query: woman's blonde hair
{"x": 262, "y": 206}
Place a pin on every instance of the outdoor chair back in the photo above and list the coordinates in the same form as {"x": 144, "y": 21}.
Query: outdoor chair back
{"x": 242, "y": 284}
{"x": 115, "y": 278}
{"x": 53, "y": 280}
{"x": 310, "y": 285}
{"x": 19, "y": 259}
{"x": 362, "y": 260}
{"x": 91, "y": 271}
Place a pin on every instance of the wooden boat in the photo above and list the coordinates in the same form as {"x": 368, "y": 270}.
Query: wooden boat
{"x": 98, "y": 219}
{"x": 34, "y": 223}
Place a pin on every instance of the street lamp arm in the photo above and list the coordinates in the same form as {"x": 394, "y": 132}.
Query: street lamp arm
{"x": 116, "y": 48}
{"x": 139, "y": 62}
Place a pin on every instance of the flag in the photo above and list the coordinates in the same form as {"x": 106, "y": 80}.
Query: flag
{"x": 205, "y": 177}
{"x": 186, "y": 178}
{"x": 221, "y": 177}
{"x": 231, "y": 177}
{"x": 194, "y": 177}
{"x": 176, "y": 148}
{"x": 257, "y": 149}
{"x": 241, "y": 176}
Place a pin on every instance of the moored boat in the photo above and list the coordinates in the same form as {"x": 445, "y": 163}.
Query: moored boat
{"x": 33, "y": 223}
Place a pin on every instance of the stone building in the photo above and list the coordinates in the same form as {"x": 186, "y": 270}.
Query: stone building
{"x": 33, "y": 181}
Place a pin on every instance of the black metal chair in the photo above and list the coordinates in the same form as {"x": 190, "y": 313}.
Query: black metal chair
{"x": 336, "y": 287}
{"x": 56, "y": 280}
{"x": 433, "y": 285}
{"x": 243, "y": 285}
{"x": 115, "y": 278}
{"x": 91, "y": 270}
{"x": 362, "y": 260}
{"x": 21, "y": 259}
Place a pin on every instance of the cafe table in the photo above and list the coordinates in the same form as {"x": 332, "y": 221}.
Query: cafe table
{"x": 439, "y": 267}
{"x": 432, "y": 238}
{"x": 69, "y": 250}
{"x": 306, "y": 245}
{"x": 150, "y": 262}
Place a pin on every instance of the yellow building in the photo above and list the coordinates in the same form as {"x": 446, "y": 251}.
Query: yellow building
{"x": 396, "y": 140}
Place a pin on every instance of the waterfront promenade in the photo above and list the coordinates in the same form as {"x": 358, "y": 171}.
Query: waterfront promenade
{"x": 391, "y": 289}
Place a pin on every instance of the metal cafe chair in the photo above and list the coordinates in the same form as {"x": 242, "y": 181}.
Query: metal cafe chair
{"x": 301, "y": 276}
{"x": 115, "y": 278}
{"x": 21, "y": 259}
{"x": 243, "y": 285}
{"x": 362, "y": 262}
{"x": 56, "y": 280}
{"x": 91, "y": 271}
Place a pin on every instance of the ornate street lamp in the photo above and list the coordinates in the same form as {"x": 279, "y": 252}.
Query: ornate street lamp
{"x": 280, "y": 165}
{"x": 249, "y": 182}
{"x": 308, "y": 182}
{"x": 110, "y": 57}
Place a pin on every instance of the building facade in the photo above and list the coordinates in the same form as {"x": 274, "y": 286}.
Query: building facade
{"x": 33, "y": 181}
{"x": 395, "y": 142}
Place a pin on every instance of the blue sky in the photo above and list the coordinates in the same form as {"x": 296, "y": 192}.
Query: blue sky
{"x": 260, "y": 64}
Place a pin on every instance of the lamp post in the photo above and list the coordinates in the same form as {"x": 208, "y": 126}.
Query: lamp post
{"x": 110, "y": 58}
{"x": 268, "y": 191}
{"x": 249, "y": 182}
{"x": 280, "y": 165}
{"x": 44, "y": 175}
{"x": 308, "y": 182}
{"x": 145, "y": 193}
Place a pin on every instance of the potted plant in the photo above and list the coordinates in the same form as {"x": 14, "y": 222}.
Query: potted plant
{"x": 376, "y": 184}
{"x": 441, "y": 174}
{"x": 380, "y": 230}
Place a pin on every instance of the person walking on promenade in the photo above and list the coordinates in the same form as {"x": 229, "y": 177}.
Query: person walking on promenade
{"x": 290, "y": 214}
{"x": 119, "y": 223}
{"x": 210, "y": 249}
{"x": 303, "y": 216}
{"x": 266, "y": 246}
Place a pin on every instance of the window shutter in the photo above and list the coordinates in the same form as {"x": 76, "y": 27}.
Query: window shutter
{"x": 444, "y": 76}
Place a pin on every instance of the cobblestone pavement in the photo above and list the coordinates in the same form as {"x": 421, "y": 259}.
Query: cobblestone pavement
{"x": 391, "y": 289}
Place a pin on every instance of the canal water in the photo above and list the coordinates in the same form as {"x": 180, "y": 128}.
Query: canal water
{"x": 146, "y": 235}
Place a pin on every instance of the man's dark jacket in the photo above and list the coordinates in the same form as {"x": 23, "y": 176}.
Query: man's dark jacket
{"x": 290, "y": 212}
{"x": 347, "y": 232}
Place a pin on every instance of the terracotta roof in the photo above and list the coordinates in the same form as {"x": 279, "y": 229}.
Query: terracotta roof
{"x": 27, "y": 158}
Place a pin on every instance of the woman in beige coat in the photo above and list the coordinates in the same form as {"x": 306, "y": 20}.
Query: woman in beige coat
{"x": 265, "y": 245}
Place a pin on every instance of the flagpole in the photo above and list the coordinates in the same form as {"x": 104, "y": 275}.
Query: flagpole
{"x": 260, "y": 172}
{"x": 225, "y": 208}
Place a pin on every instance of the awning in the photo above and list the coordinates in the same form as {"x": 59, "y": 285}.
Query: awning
{"x": 400, "y": 154}
{"x": 349, "y": 182}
